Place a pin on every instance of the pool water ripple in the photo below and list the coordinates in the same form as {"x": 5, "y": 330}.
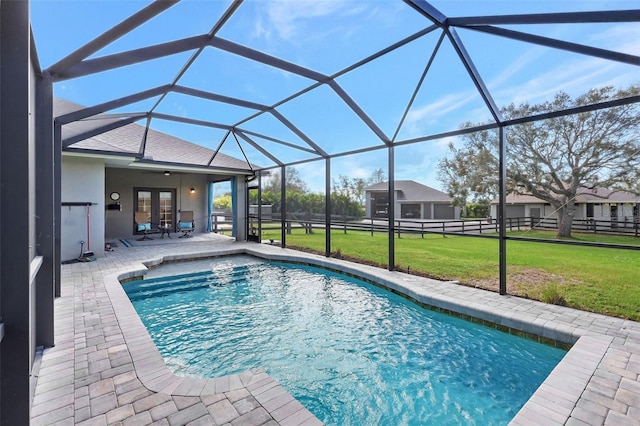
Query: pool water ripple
{"x": 352, "y": 353}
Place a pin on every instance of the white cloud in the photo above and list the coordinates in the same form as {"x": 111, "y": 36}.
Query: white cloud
{"x": 575, "y": 74}
{"x": 620, "y": 38}
{"x": 289, "y": 19}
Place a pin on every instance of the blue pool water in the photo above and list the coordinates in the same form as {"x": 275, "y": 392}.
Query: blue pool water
{"x": 352, "y": 353}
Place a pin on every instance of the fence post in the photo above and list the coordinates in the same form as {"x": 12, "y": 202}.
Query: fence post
{"x": 372, "y": 226}
{"x": 422, "y": 230}
{"x": 398, "y": 229}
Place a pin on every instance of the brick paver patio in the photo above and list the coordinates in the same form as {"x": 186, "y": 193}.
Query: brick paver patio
{"x": 105, "y": 370}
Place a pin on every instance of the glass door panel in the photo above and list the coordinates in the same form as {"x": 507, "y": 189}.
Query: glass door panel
{"x": 166, "y": 208}
{"x": 143, "y": 201}
{"x": 159, "y": 203}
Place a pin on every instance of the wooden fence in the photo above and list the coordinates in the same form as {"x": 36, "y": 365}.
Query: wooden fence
{"x": 309, "y": 222}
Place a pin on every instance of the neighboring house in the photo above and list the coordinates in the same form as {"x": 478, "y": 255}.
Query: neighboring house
{"x": 597, "y": 203}
{"x": 106, "y": 178}
{"x": 412, "y": 201}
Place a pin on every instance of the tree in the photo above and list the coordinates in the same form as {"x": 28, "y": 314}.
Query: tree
{"x": 292, "y": 177}
{"x": 555, "y": 160}
{"x": 222, "y": 202}
{"x": 470, "y": 174}
{"x": 353, "y": 187}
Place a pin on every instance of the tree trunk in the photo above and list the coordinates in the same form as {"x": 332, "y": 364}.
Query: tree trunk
{"x": 565, "y": 220}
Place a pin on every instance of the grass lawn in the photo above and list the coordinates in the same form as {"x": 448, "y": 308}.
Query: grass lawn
{"x": 589, "y": 278}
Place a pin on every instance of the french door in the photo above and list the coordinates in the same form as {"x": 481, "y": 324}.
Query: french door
{"x": 159, "y": 203}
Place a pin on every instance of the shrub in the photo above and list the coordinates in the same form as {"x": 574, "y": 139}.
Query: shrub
{"x": 551, "y": 294}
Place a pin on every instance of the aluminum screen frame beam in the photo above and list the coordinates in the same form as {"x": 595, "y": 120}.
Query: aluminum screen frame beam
{"x": 559, "y": 44}
{"x": 632, "y": 15}
{"x": 113, "y": 104}
{"x": 17, "y": 206}
{"x": 109, "y": 36}
{"x": 275, "y": 140}
{"x": 130, "y": 57}
{"x": 47, "y": 213}
{"x": 217, "y": 27}
{"x": 218, "y": 98}
{"x": 257, "y": 146}
{"x": 66, "y": 143}
{"x": 430, "y": 12}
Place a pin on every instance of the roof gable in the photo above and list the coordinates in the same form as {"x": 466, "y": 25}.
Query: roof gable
{"x": 127, "y": 140}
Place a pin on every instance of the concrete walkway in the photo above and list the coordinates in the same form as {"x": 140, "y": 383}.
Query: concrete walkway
{"x": 105, "y": 369}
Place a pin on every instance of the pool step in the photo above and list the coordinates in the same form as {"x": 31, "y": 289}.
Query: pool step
{"x": 158, "y": 287}
{"x": 169, "y": 278}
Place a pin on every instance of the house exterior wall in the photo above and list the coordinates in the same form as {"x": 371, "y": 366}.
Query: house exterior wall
{"x": 601, "y": 211}
{"x": 427, "y": 209}
{"x": 120, "y": 223}
{"x": 82, "y": 181}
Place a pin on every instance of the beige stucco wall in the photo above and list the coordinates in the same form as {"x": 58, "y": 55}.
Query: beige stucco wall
{"x": 82, "y": 181}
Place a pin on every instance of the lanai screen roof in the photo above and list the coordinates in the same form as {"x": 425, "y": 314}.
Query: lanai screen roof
{"x": 284, "y": 82}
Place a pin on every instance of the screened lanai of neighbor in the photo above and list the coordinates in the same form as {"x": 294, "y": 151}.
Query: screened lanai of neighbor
{"x": 337, "y": 127}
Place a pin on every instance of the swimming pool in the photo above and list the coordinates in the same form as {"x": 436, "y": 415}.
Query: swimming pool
{"x": 351, "y": 352}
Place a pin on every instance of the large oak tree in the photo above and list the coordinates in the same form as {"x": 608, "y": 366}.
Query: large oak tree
{"x": 556, "y": 159}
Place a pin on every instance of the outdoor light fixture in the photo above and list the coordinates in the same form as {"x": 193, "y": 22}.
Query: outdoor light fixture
{"x": 167, "y": 173}
{"x": 193, "y": 190}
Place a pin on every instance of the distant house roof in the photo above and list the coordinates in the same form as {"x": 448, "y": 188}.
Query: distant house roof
{"x": 126, "y": 140}
{"x": 409, "y": 190}
{"x": 585, "y": 195}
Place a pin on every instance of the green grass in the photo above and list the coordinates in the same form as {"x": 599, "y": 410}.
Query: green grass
{"x": 589, "y": 278}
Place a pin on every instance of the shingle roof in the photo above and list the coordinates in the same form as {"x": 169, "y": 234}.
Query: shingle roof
{"x": 409, "y": 190}
{"x": 160, "y": 147}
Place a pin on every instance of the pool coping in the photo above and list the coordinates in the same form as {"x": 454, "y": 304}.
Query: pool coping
{"x": 553, "y": 402}
{"x": 154, "y": 374}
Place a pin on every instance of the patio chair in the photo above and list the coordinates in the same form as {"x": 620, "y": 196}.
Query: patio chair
{"x": 143, "y": 224}
{"x": 186, "y": 224}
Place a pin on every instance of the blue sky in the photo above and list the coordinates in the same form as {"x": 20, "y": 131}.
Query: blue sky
{"x": 327, "y": 36}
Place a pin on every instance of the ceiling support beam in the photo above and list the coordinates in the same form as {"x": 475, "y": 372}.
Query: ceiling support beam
{"x": 243, "y": 154}
{"x": 419, "y": 85}
{"x": 99, "y": 130}
{"x": 215, "y": 153}
{"x": 298, "y": 132}
{"x": 219, "y": 98}
{"x": 559, "y": 44}
{"x": 114, "y": 104}
{"x": 474, "y": 74}
{"x": 186, "y": 120}
{"x": 263, "y": 58}
{"x": 143, "y": 142}
{"x": 550, "y": 18}
{"x": 430, "y": 12}
{"x": 109, "y": 36}
{"x": 217, "y": 27}
{"x": 359, "y": 112}
{"x": 259, "y": 148}
{"x": 278, "y": 141}
{"x": 130, "y": 57}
